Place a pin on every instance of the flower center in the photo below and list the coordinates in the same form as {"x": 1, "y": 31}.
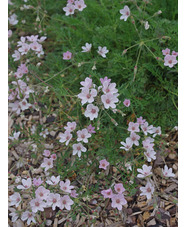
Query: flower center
{"x": 117, "y": 200}
{"x": 64, "y": 202}
{"x": 148, "y": 190}
{"x": 107, "y": 101}
{"x": 93, "y": 111}
{"x": 37, "y": 204}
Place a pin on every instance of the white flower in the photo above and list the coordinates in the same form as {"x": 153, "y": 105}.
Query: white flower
{"x": 29, "y": 216}
{"x": 65, "y": 202}
{"x": 102, "y": 51}
{"x": 128, "y": 166}
{"x": 146, "y": 171}
{"x": 83, "y": 135}
{"x": 65, "y": 186}
{"x": 69, "y": 9}
{"x": 44, "y": 133}
{"x": 24, "y": 48}
{"x": 65, "y": 137}
{"x": 125, "y": 13}
{"x": 109, "y": 87}
{"x": 87, "y": 47}
{"x": 13, "y": 19}
{"x": 148, "y": 190}
{"x": 53, "y": 200}
{"x": 71, "y": 126}
{"x": 14, "y": 214}
{"x": 42, "y": 193}
{"x": 78, "y": 148}
{"x": 87, "y": 83}
{"x": 80, "y": 5}
{"x": 146, "y": 128}
{"x": 167, "y": 172}
{"x": 127, "y": 145}
{"x": 156, "y": 131}
{"x": 87, "y": 95}
{"x": 15, "y": 199}
{"x": 109, "y": 100}
{"x": 26, "y": 184}
{"x": 134, "y": 138}
{"x": 16, "y": 55}
{"x": 15, "y": 136}
{"x": 133, "y": 127}
{"x": 150, "y": 154}
{"x": 146, "y": 25}
{"x": 24, "y": 105}
{"x": 91, "y": 111}
{"x": 53, "y": 180}
{"x": 37, "y": 204}
{"x": 47, "y": 164}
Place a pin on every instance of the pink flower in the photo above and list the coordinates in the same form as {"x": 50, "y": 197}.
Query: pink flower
{"x": 150, "y": 154}
{"x": 46, "y": 153}
{"x": 53, "y": 200}
{"x": 24, "y": 105}
{"x": 107, "y": 193}
{"x": 146, "y": 128}
{"x": 90, "y": 129}
{"x": 102, "y": 51}
{"x": 37, "y": 182}
{"x": 42, "y": 193}
{"x": 37, "y": 204}
{"x": 140, "y": 120}
{"x": 87, "y": 83}
{"x": 71, "y": 126}
{"x": 80, "y": 5}
{"x": 29, "y": 216}
{"x": 117, "y": 201}
{"x": 35, "y": 46}
{"x": 69, "y": 9}
{"x": 170, "y": 60}
{"x": 53, "y": 180}
{"x": 105, "y": 79}
{"x": 44, "y": 133}
{"x": 167, "y": 172}
{"x": 91, "y": 111}
{"x": 119, "y": 188}
{"x": 67, "y": 55}
{"x": 15, "y": 199}
{"x": 65, "y": 186}
{"x": 103, "y": 164}
{"x": 73, "y": 194}
{"x": 148, "y": 190}
{"x": 26, "y": 184}
{"x": 125, "y": 13}
{"x": 15, "y": 136}
{"x": 65, "y": 202}
{"x": 146, "y": 171}
{"x": 156, "y": 131}
{"x": 134, "y": 138}
{"x": 32, "y": 38}
{"x": 87, "y": 95}
{"x": 109, "y": 87}
{"x": 24, "y": 48}
{"x": 109, "y": 100}
{"x": 127, "y": 145}
{"x": 83, "y": 135}
{"x": 87, "y": 47}
{"x": 65, "y": 137}
{"x": 47, "y": 164}
{"x": 148, "y": 143}
{"x": 174, "y": 53}
{"x": 126, "y": 102}
{"x": 166, "y": 51}
{"x": 16, "y": 55}
{"x": 23, "y": 68}
{"x": 53, "y": 156}
{"x": 133, "y": 127}
{"x": 9, "y": 33}
{"x": 78, "y": 148}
